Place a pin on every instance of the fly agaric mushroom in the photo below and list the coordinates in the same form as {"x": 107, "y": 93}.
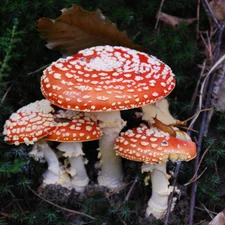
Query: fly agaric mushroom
{"x": 29, "y": 125}
{"x": 103, "y": 80}
{"x": 73, "y": 129}
{"x": 154, "y": 147}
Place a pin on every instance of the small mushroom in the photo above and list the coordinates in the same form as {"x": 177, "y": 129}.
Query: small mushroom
{"x": 154, "y": 148}
{"x": 29, "y": 125}
{"x": 74, "y": 129}
{"x": 101, "y": 81}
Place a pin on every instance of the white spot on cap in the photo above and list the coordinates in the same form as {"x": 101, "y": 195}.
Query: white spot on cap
{"x": 57, "y": 76}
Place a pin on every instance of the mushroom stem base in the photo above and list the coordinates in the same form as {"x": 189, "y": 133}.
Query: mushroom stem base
{"x": 158, "y": 203}
{"x": 55, "y": 174}
{"x": 74, "y": 153}
{"x": 80, "y": 180}
{"x": 111, "y": 173}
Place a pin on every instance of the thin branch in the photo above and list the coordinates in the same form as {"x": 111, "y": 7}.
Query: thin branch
{"x": 209, "y": 213}
{"x": 60, "y": 207}
{"x": 38, "y": 70}
{"x": 170, "y": 200}
{"x": 198, "y": 84}
{"x": 131, "y": 189}
{"x": 212, "y": 14}
{"x": 194, "y": 179}
{"x": 6, "y": 93}
{"x": 198, "y": 16}
{"x": 160, "y": 9}
{"x": 196, "y": 172}
{"x": 192, "y": 117}
{"x": 204, "y": 210}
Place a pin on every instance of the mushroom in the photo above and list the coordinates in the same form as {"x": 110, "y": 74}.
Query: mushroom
{"x": 101, "y": 81}
{"x": 73, "y": 129}
{"x": 29, "y": 125}
{"x": 154, "y": 148}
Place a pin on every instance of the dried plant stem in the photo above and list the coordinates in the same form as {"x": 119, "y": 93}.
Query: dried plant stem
{"x": 195, "y": 177}
{"x": 160, "y": 9}
{"x": 131, "y": 189}
{"x": 198, "y": 13}
{"x": 38, "y": 70}
{"x": 62, "y": 208}
{"x": 209, "y": 84}
{"x": 170, "y": 200}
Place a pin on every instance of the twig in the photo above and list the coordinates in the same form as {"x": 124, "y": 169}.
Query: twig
{"x": 192, "y": 117}
{"x": 209, "y": 213}
{"x": 170, "y": 200}
{"x": 198, "y": 84}
{"x": 6, "y": 93}
{"x": 194, "y": 179}
{"x": 131, "y": 189}
{"x": 196, "y": 172}
{"x": 198, "y": 13}
{"x": 60, "y": 207}
{"x": 160, "y": 9}
{"x": 212, "y": 13}
{"x": 204, "y": 210}
{"x": 38, "y": 70}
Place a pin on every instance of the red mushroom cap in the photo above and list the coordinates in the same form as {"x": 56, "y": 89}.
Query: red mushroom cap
{"x": 151, "y": 145}
{"x": 30, "y": 123}
{"x": 76, "y": 128}
{"x": 106, "y": 78}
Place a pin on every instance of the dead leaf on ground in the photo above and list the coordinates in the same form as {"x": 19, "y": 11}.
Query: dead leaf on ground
{"x": 219, "y": 219}
{"x": 218, "y": 8}
{"x": 173, "y": 20}
{"x": 77, "y": 29}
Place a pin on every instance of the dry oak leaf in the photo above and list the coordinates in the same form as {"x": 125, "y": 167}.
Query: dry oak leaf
{"x": 173, "y": 20}
{"x": 219, "y": 219}
{"x": 218, "y": 8}
{"x": 77, "y": 29}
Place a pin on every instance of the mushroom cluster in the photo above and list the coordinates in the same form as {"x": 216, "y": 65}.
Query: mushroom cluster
{"x": 101, "y": 81}
{"x": 37, "y": 123}
{"x": 91, "y": 88}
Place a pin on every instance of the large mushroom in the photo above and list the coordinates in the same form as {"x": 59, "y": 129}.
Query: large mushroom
{"x": 73, "y": 128}
{"x": 29, "y": 125}
{"x": 103, "y": 80}
{"x": 154, "y": 148}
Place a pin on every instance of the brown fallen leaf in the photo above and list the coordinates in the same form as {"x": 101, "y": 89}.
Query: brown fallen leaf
{"x": 173, "y": 20}
{"x": 218, "y": 8}
{"x": 77, "y": 29}
{"x": 219, "y": 219}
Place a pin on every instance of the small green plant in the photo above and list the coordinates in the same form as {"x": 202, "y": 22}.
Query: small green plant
{"x": 7, "y": 45}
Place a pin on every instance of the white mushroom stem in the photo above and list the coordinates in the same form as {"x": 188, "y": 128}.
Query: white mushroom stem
{"x": 111, "y": 172}
{"x": 52, "y": 175}
{"x": 73, "y": 151}
{"x": 158, "y": 203}
{"x": 160, "y": 110}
